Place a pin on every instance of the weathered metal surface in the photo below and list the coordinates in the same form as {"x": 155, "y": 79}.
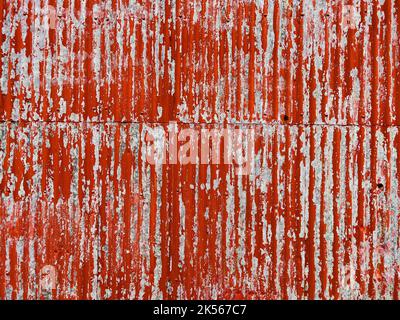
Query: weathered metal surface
{"x": 201, "y": 61}
{"x": 87, "y": 86}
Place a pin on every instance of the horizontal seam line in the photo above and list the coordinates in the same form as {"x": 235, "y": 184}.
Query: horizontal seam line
{"x": 200, "y": 123}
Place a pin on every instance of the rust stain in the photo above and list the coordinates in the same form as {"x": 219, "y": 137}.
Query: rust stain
{"x": 112, "y": 187}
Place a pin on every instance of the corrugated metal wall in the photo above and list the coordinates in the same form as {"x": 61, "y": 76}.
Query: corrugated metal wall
{"x": 83, "y": 214}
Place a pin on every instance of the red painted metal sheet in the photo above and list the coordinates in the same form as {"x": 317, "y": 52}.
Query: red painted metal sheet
{"x": 199, "y": 149}
{"x": 201, "y": 61}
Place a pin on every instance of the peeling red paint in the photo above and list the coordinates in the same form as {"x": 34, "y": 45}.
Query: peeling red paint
{"x": 84, "y": 215}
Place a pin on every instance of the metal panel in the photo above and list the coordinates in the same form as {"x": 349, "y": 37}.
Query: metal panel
{"x": 88, "y": 88}
{"x": 299, "y": 61}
